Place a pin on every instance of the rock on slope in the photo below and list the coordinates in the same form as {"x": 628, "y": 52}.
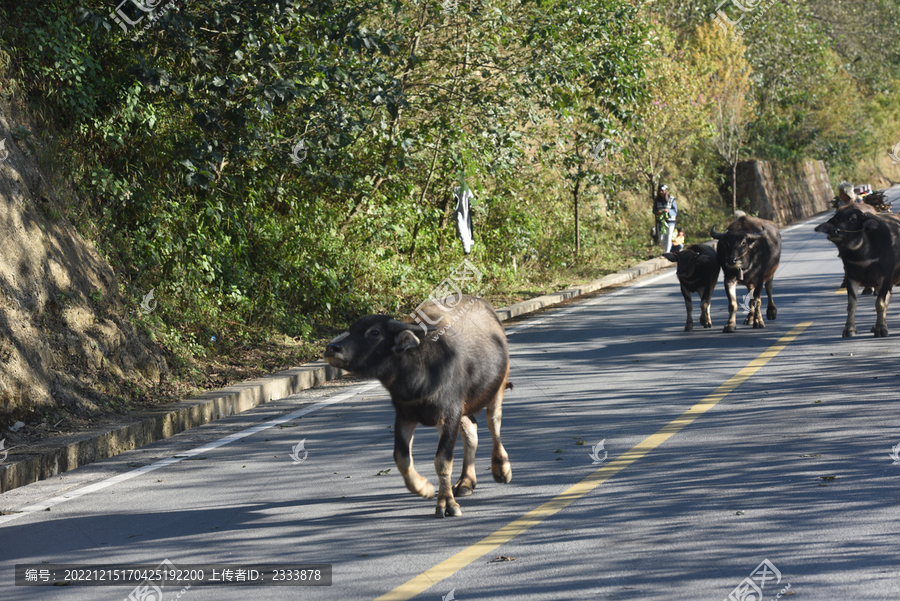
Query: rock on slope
{"x": 64, "y": 344}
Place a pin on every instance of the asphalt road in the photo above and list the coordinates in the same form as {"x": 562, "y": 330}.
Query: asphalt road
{"x": 720, "y": 452}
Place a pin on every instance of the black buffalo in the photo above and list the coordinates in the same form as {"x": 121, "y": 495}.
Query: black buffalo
{"x": 749, "y": 252}
{"x": 436, "y": 378}
{"x": 868, "y": 245}
{"x": 698, "y": 271}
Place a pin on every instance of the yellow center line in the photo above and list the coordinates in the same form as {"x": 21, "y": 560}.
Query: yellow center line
{"x": 841, "y": 291}
{"x": 449, "y": 566}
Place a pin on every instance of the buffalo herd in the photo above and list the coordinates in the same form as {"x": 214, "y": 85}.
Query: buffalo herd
{"x": 748, "y": 252}
{"x": 443, "y": 379}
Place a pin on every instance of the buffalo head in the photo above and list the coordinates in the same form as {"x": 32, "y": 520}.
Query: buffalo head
{"x": 847, "y": 227}
{"x": 370, "y": 342}
{"x": 688, "y": 260}
{"x": 736, "y": 243}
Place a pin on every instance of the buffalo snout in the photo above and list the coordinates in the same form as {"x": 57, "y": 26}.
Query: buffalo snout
{"x": 334, "y": 349}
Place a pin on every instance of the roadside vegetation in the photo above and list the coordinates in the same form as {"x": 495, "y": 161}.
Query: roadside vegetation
{"x": 274, "y": 170}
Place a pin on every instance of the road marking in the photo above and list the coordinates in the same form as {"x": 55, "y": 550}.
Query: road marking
{"x": 841, "y": 291}
{"x": 450, "y": 566}
{"x": 182, "y": 455}
{"x": 583, "y": 305}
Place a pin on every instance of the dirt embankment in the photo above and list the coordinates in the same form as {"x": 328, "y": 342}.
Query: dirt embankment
{"x": 66, "y": 350}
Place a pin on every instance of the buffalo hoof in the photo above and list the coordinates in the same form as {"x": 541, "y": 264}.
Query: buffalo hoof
{"x": 771, "y": 313}
{"x": 502, "y": 472}
{"x": 881, "y": 332}
{"x": 463, "y": 490}
{"x": 748, "y": 321}
{"x": 759, "y": 325}
{"x": 706, "y": 323}
{"x": 451, "y": 511}
{"x": 689, "y": 326}
{"x": 848, "y": 333}
{"x": 728, "y": 329}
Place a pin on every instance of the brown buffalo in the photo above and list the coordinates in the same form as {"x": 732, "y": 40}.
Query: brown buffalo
{"x": 869, "y": 247}
{"x": 749, "y": 253}
{"x": 436, "y": 378}
{"x": 698, "y": 271}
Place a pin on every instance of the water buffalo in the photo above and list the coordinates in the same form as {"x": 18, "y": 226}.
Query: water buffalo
{"x": 749, "y": 252}
{"x": 868, "y": 245}
{"x": 439, "y": 379}
{"x": 698, "y": 271}
{"x": 872, "y": 203}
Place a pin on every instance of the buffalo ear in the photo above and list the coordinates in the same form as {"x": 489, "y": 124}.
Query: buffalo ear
{"x": 405, "y": 340}
{"x": 671, "y": 257}
{"x": 870, "y": 224}
{"x": 703, "y": 259}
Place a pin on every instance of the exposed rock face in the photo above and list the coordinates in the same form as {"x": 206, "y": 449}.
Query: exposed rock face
{"x": 784, "y": 192}
{"x": 64, "y": 342}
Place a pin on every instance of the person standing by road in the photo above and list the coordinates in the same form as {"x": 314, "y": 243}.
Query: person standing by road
{"x": 664, "y": 204}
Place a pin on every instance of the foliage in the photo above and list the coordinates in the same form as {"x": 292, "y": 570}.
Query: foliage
{"x": 284, "y": 166}
{"x": 281, "y": 168}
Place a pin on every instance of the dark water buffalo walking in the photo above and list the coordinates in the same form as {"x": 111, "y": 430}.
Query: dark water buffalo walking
{"x": 436, "y": 378}
{"x": 749, "y": 252}
{"x": 869, "y": 246}
{"x": 698, "y": 271}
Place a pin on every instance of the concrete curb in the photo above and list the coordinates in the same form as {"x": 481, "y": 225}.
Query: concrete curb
{"x": 613, "y": 279}
{"x": 88, "y": 447}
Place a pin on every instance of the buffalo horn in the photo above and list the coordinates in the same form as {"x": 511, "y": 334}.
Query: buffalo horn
{"x": 756, "y": 235}
{"x": 715, "y": 233}
{"x": 395, "y": 327}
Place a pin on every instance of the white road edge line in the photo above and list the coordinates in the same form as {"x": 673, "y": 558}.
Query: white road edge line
{"x": 181, "y": 456}
{"x": 590, "y": 303}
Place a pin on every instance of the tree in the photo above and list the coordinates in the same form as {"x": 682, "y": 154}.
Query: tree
{"x": 587, "y": 75}
{"x": 670, "y": 122}
{"x": 718, "y": 57}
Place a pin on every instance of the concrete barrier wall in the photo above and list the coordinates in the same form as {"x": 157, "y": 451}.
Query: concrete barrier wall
{"x": 784, "y": 192}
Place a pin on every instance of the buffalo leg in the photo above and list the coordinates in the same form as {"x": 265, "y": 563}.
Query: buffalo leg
{"x": 403, "y": 438}
{"x": 443, "y": 465}
{"x": 881, "y": 309}
{"x": 852, "y": 297}
{"x": 705, "y": 298}
{"x": 468, "y": 428}
{"x": 751, "y": 303}
{"x": 756, "y": 311}
{"x": 732, "y": 306}
{"x": 771, "y": 309}
{"x": 500, "y": 466}
{"x": 689, "y": 305}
